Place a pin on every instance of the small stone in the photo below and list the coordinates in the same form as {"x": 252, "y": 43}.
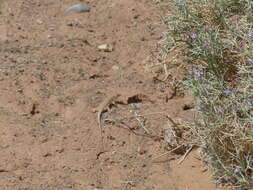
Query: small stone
{"x": 139, "y": 106}
{"x": 20, "y": 90}
{"x": 12, "y": 39}
{"x": 21, "y": 60}
{"x": 115, "y": 67}
{"x": 78, "y": 8}
{"x": 135, "y": 23}
{"x": 105, "y": 47}
{"x": 39, "y": 21}
{"x": 52, "y": 27}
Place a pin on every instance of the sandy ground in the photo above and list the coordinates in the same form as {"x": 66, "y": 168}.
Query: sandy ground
{"x": 53, "y": 77}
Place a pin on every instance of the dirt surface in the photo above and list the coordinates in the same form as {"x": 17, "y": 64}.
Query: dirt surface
{"x": 52, "y": 79}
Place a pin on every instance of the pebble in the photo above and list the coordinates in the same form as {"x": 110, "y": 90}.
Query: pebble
{"x": 78, "y": 8}
{"x": 139, "y": 106}
{"x": 51, "y": 27}
{"x": 115, "y": 67}
{"x": 106, "y": 47}
{"x": 12, "y": 39}
{"x": 39, "y": 21}
{"x": 21, "y": 60}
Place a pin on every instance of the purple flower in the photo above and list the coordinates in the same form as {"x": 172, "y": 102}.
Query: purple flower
{"x": 194, "y": 35}
{"x": 237, "y": 169}
{"x": 236, "y": 49}
{"x": 205, "y": 45}
{"x": 240, "y": 96}
{"x": 250, "y": 124}
{"x": 227, "y": 92}
{"x": 199, "y": 73}
{"x": 248, "y": 101}
{"x": 220, "y": 110}
{"x": 250, "y": 34}
{"x": 249, "y": 62}
{"x": 191, "y": 67}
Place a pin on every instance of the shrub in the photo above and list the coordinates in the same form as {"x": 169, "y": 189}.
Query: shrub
{"x": 215, "y": 38}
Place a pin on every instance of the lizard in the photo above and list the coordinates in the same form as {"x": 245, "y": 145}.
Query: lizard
{"x": 100, "y": 110}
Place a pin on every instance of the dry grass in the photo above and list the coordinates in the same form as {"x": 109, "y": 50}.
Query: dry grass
{"x": 215, "y": 39}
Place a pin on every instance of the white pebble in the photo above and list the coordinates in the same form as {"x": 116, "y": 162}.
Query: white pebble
{"x": 105, "y": 47}
{"x": 78, "y": 8}
{"x": 115, "y": 67}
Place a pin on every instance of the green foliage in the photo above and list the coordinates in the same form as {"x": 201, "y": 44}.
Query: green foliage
{"x": 215, "y": 37}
